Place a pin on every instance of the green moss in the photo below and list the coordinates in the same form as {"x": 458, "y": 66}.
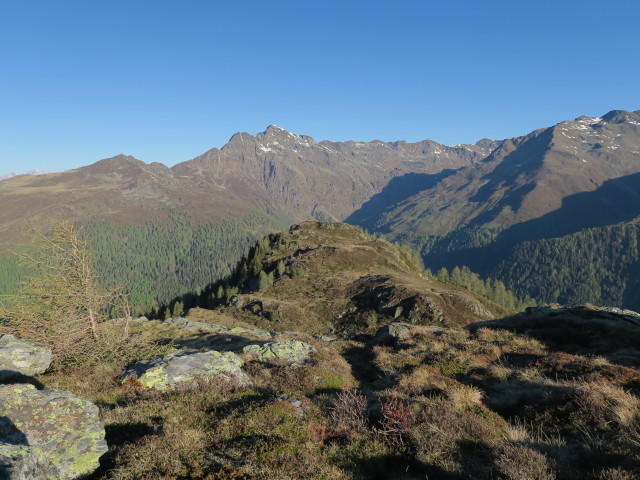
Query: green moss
{"x": 451, "y": 367}
{"x": 326, "y": 379}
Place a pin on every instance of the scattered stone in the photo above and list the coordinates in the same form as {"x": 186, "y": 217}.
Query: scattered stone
{"x": 292, "y": 351}
{"x": 48, "y": 434}
{"x": 167, "y": 370}
{"x": 236, "y": 301}
{"x": 324, "y": 338}
{"x": 253, "y": 331}
{"x": 132, "y": 321}
{"x": 391, "y": 333}
{"x": 19, "y": 357}
{"x": 588, "y": 311}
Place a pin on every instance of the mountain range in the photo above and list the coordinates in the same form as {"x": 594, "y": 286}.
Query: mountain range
{"x": 551, "y": 213}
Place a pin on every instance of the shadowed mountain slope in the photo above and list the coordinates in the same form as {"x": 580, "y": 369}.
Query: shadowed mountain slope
{"x": 551, "y": 184}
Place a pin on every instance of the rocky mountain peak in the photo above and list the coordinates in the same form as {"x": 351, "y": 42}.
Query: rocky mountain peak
{"x": 621, "y": 116}
{"x": 276, "y": 130}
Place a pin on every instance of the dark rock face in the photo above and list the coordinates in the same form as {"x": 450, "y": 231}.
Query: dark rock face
{"x": 48, "y": 434}
{"x": 20, "y": 357}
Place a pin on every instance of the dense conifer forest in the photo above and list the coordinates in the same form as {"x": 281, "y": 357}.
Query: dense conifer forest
{"x": 599, "y": 265}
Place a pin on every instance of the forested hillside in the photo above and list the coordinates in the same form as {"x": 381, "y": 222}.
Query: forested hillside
{"x": 159, "y": 260}
{"x": 598, "y": 265}
{"x": 162, "y": 232}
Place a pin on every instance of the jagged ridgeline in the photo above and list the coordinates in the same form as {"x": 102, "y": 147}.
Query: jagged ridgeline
{"x": 333, "y": 278}
{"x": 160, "y": 260}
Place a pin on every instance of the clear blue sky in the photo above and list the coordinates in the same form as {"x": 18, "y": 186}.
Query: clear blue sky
{"x": 167, "y": 80}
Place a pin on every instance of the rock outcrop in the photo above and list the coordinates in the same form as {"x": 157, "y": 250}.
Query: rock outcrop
{"x": 48, "y": 434}
{"x": 19, "y": 357}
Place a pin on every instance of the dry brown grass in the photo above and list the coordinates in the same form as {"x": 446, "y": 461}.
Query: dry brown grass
{"x": 441, "y": 430}
{"x": 424, "y": 379}
{"x": 463, "y": 397}
{"x": 515, "y": 462}
{"x": 486, "y": 404}
{"x": 605, "y": 404}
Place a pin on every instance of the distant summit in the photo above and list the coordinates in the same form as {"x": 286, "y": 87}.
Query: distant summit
{"x": 30, "y": 172}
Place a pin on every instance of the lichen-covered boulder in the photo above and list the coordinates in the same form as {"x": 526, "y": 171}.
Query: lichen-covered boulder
{"x": 167, "y": 370}
{"x": 48, "y": 434}
{"x": 292, "y": 351}
{"x": 19, "y": 357}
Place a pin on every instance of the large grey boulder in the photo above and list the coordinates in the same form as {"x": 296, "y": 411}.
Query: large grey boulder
{"x": 48, "y": 434}
{"x": 291, "y": 351}
{"x": 167, "y": 370}
{"x": 19, "y": 357}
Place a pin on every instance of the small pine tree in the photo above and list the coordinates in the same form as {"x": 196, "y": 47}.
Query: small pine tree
{"x": 281, "y": 268}
{"x": 456, "y": 276}
{"x": 443, "y": 275}
{"x": 265, "y": 280}
{"x": 61, "y": 305}
{"x": 178, "y": 309}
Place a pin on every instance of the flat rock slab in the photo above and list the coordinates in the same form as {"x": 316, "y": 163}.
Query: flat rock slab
{"x": 188, "y": 325}
{"x": 292, "y": 351}
{"x": 167, "y": 370}
{"x": 20, "y": 357}
{"x": 48, "y": 434}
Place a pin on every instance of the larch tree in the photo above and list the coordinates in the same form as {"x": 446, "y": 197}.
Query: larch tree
{"x": 60, "y": 304}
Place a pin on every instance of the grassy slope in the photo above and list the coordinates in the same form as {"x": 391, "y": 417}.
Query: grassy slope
{"x": 338, "y": 280}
